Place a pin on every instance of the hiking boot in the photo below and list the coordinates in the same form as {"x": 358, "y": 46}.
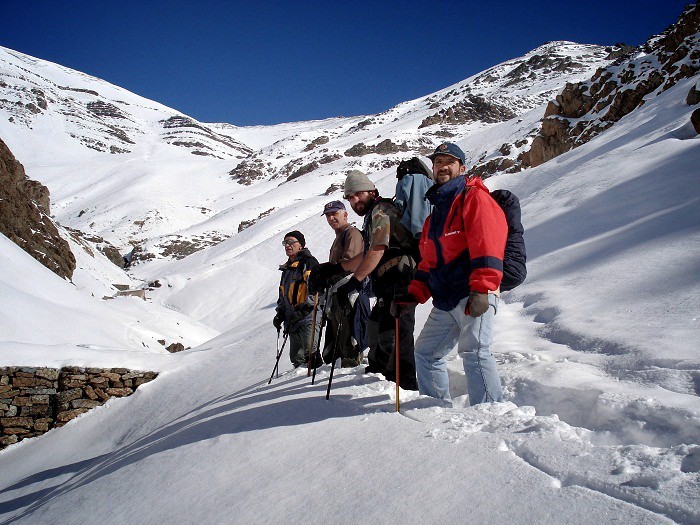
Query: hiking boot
{"x": 409, "y": 383}
{"x": 349, "y": 362}
{"x": 372, "y": 368}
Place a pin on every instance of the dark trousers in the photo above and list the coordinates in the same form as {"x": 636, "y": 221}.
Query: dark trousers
{"x": 347, "y": 351}
{"x": 382, "y": 344}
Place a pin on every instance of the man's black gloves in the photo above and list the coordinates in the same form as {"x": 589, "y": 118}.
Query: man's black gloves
{"x": 477, "y": 304}
{"x": 344, "y": 291}
{"x": 323, "y": 275}
{"x": 277, "y": 322}
{"x": 402, "y": 304}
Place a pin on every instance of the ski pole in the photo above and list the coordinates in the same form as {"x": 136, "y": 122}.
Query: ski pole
{"x": 324, "y": 319}
{"x": 313, "y": 333}
{"x": 396, "y": 351}
{"x": 335, "y": 349}
{"x": 279, "y": 354}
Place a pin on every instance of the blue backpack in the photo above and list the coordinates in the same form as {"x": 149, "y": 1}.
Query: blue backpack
{"x": 414, "y": 180}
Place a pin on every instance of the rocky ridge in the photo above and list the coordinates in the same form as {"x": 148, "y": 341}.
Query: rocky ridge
{"x": 584, "y": 109}
{"x": 500, "y": 93}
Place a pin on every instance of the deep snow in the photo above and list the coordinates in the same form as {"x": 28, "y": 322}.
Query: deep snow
{"x": 598, "y": 352}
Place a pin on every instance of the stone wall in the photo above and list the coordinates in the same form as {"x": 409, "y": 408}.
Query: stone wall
{"x": 35, "y": 400}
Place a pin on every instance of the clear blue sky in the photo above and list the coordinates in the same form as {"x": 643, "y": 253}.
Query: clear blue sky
{"x": 259, "y": 62}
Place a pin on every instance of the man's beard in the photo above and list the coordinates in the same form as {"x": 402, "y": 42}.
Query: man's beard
{"x": 362, "y": 207}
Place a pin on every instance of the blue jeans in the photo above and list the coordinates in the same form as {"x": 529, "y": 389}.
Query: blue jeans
{"x": 473, "y": 336}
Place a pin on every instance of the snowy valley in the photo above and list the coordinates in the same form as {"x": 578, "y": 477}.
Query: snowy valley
{"x": 598, "y": 350}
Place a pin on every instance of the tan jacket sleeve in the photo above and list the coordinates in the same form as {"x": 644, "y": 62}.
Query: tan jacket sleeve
{"x": 354, "y": 244}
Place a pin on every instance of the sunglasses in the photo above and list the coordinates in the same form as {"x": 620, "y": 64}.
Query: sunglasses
{"x": 288, "y": 242}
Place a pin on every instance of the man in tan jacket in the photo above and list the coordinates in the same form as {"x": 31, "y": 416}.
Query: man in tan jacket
{"x": 347, "y": 245}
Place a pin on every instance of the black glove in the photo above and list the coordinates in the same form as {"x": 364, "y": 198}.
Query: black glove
{"x": 402, "y": 304}
{"x": 344, "y": 291}
{"x": 277, "y": 322}
{"x": 323, "y": 275}
{"x": 477, "y": 304}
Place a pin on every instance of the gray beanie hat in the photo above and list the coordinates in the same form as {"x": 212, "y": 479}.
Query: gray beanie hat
{"x": 357, "y": 181}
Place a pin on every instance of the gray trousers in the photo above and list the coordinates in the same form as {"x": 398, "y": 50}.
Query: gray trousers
{"x": 300, "y": 344}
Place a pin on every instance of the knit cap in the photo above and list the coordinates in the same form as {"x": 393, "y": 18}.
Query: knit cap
{"x": 298, "y": 236}
{"x": 357, "y": 181}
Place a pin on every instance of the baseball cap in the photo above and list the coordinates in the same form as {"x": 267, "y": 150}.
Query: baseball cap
{"x": 332, "y": 207}
{"x": 448, "y": 148}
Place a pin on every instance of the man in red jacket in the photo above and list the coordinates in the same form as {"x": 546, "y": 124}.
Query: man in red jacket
{"x": 462, "y": 248}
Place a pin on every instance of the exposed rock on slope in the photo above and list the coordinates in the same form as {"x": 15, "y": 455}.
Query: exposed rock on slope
{"x": 24, "y": 217}
{"x": 472, "y": 109}
{"x": 585, "y": 109}
{"x": 372, "y": 142}
{"x": 249, "y": 171}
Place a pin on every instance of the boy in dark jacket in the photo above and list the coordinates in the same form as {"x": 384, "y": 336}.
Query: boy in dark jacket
{"x": 294, "y": 305}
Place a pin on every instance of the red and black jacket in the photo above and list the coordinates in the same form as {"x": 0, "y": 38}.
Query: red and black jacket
{"x": 462, "y": 244}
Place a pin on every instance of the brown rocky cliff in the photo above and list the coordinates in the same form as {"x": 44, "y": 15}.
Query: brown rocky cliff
{"x": 24, "y": 217}
{"x": 616, "y": 91}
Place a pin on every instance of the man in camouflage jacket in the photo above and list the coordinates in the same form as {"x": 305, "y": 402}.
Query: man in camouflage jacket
{"x": 386, "y": 260}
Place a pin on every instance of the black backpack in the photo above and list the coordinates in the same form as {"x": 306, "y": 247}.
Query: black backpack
{"x": 412, "y": 165}
{"x": 515, "y": 258}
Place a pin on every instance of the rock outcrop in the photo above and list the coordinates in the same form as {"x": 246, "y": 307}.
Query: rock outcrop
{"x": 199, "y": 138}
{"x": 585, "y": 109}
{"x": 385, "y": 147}
{"x": 24, "y": 217}
{"x": 472, "y": 109}
{"x": 250, "y": 170}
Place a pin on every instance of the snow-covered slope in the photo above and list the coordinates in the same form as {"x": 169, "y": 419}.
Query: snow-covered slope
{"x": 117, "y": 164}
{"x": 48, "y": 321}
{"x": 598, "y": 352}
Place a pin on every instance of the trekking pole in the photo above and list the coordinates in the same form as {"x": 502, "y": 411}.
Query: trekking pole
{"x": 396, "y": 351}
{"x": 279, "y": 354}
{"x": 313, "y": 333}
{"x": 335, "y": 349}
{"x": 324, "y": 319}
